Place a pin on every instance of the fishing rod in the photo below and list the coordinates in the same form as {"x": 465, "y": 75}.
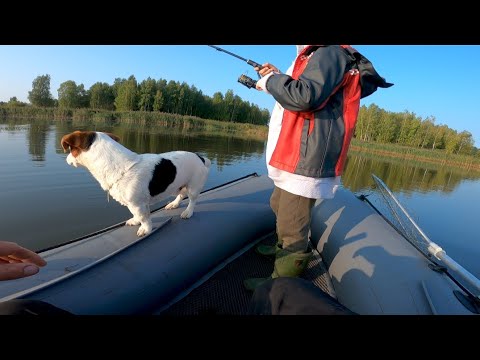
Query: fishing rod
{"x": 243, "y": 79}
{"x": 249, "y": 62}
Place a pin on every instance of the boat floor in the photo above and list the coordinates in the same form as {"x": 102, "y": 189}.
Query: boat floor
{"x": 224, "y": 294}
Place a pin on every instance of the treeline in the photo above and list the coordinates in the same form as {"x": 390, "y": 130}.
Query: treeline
{"x": 149, "y": 96}
{"x": 152, "y": 98}
{"x": 407, "y": 129}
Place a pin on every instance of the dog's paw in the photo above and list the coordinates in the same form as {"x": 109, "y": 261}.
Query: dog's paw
{"x": 142, "y": 231}
{"x": 186, "y": 214}
{"x": 171, "y": 205}
{"x": 132, "y": 222}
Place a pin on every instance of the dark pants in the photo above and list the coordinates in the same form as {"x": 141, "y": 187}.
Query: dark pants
{"x": 293, "y": 214}
{"x": 30, "y": 307}
{"x": 294, "y": 296}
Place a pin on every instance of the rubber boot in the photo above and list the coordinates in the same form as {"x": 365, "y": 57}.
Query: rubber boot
{"x": 268, "y": 250}
{"x": 287, "y": 264}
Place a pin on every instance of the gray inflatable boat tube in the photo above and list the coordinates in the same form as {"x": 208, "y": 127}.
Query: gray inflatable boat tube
{"x": 375, "y": 270}
{"x": 116, "y": 272}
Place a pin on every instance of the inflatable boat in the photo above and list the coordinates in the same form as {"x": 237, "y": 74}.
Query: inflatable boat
{"x": 196, "y": 266}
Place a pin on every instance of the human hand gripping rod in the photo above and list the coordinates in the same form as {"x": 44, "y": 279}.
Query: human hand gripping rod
{"x": 243, "y": 79}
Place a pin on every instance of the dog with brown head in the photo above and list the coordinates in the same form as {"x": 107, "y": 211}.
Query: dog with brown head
{"x": 138, "y": 180}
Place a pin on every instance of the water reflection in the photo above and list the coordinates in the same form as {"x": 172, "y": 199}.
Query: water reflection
{"x": 402, "y": 176}
{"x": 37, "y": 135}
{"x": 227, "y": 152}
{"x": 398, "y": 174}
{"x": 222, "y": 150}
{"x": 42, "y": 206}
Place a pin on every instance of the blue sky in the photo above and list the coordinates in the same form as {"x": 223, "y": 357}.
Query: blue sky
{"x": 430, "y": 80}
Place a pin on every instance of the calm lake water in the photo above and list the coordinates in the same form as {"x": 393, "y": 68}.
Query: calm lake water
{"x": 45, "y": 202}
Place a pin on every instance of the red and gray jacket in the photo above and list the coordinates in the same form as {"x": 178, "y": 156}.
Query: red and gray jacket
{"x": 321, "y": 101}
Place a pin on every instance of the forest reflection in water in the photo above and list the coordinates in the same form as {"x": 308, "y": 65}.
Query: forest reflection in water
{"x": 37, "y": 187}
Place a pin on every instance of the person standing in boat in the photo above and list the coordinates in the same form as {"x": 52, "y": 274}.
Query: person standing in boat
{"x": 312, "y": 123}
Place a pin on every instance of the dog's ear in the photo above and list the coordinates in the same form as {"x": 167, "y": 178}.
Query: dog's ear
{"x": 114, "y": 137}
{"x": 77, "y": 141}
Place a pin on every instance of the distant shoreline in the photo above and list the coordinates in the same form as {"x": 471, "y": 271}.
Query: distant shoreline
{"x": 234, "y": 129}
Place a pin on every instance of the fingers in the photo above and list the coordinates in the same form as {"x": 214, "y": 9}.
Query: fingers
{"x": 266, "y": 69}
{"x": 18, "y": 262}
{"x": 17, "y": 271}
{"x": 13, "y": 253}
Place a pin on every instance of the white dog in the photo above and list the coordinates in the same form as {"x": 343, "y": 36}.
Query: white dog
{"x": 138, "y": 180}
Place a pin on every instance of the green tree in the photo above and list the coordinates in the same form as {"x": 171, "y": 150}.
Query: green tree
{"x": 451, "y": 141}
{"x": 439, "y": 138}
{"x": 218, "y": 104}
{"x": 40, "y": 94}
{"x": 116, "y": 85}
{"x": 158, "y": 101}
{"x": 405, "y": 120}
{"x": 84, "y": 96}
{"x": 428, "y": 127}
{"x": 465, "y": 143}
{"x": 126, "y": 99}
{"x": 13, "y": 102}
{"x": 387, "y": 128}
{"x": 146, "y": 94}
{"x": 70, "y": 95}
{"x": 366, "y": 123}
{"x": 170, "y": 96}
{"x": 229, "y": 105}
{"x": 101, "y": 96}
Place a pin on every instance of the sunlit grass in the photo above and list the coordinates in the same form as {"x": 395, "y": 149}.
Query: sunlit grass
{"x": 414, "y": 154}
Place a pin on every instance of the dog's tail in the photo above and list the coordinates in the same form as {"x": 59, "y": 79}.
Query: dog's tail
{"x": 206, "y": 161}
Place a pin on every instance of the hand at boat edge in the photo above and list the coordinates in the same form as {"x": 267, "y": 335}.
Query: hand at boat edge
{"x": 18, "y": 262}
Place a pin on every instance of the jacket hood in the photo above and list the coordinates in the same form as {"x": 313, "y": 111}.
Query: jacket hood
{"x": 300, "y": 48}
